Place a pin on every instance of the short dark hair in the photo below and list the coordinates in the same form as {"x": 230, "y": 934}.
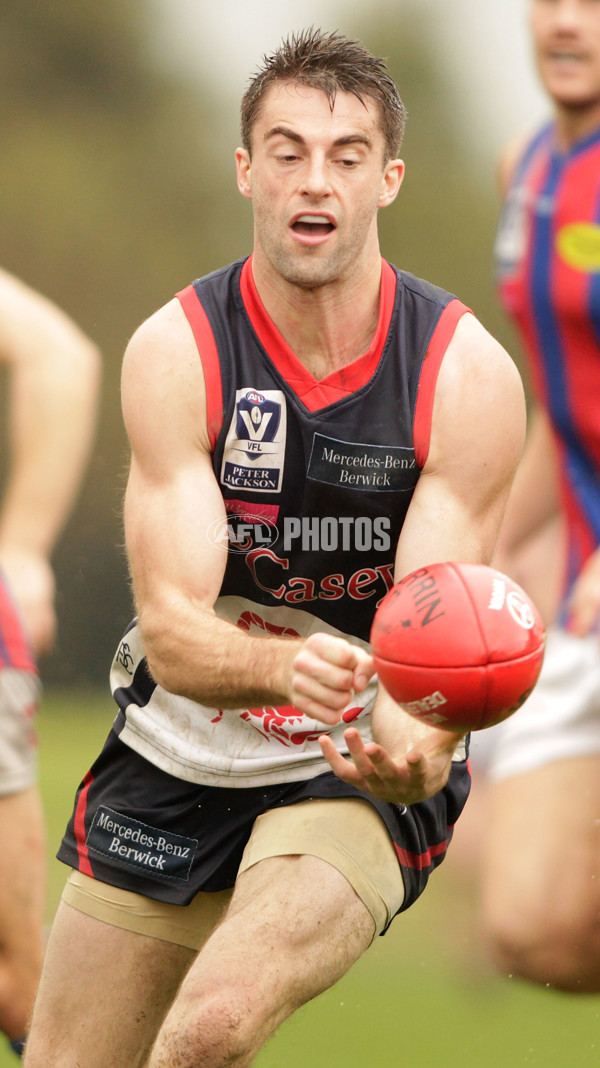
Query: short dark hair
{"x": 333, "y": 63}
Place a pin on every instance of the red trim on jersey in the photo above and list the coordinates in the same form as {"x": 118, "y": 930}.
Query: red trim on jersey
{"x": 207, "y": 348}
{"x": 440, "y": 339}
{"x": 15, "y": 650}
{"x": 79, "y": 827}
{"x": 319, "y": 393}
{"x": 418, "y": 861}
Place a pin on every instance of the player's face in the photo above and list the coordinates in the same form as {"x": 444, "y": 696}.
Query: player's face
{"x": 566, "y": 39}
{"x": 317, "y": 178}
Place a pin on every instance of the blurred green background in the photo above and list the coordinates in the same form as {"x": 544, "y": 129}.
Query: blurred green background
{"x": 119, "y": 188}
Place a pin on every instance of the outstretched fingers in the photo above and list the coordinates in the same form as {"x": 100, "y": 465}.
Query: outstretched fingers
{"x": 369, "y": 767}
{"x": 403, "y": 780}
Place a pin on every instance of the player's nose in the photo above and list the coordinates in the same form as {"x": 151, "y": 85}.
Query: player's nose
{"x": 315, "y": 180}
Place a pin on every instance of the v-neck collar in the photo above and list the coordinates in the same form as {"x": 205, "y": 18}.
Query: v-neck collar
{"x": 313, "y": 392}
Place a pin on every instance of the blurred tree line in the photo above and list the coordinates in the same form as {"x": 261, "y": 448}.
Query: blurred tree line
{"x": 117, "y": 192}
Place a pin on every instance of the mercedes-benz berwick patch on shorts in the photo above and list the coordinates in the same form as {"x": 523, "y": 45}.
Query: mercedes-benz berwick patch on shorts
{"x": 138, "y": 828}
{"x": 139, "y": 845}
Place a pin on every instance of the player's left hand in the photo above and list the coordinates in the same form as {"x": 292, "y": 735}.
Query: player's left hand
{"x": 418, "y": 775}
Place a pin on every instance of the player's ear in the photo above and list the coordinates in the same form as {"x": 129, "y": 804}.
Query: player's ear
{"x": 243, "y": 166}
{"x": 391, "y": 181}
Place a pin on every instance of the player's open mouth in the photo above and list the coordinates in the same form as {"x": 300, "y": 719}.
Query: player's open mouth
{"x": 313, "y": 225}
{"x": 564, "y": 57}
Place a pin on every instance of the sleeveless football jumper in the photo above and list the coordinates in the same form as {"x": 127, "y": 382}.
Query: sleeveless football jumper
{"x": 316, "y": 478}
{"x": 548, "y": 259}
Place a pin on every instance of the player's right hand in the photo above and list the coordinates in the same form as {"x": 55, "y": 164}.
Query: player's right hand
{"x": 326, "y": 673}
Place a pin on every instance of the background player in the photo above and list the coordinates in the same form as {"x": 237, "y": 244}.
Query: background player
{"x": 53, "y": 378}
{"x": 542, "y": 856}
{"x": 326, "y": 389}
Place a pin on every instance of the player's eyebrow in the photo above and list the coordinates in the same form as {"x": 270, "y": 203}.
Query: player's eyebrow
{"x": 291, "y": 135}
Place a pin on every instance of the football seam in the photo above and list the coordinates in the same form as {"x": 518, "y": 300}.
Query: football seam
{"x": 458, "y": 667}
{"x": 474, "y": 606}
{"x": 484, "y": 644}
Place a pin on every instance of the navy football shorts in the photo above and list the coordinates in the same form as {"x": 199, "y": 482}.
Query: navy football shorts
{"x": 140, "y": 829}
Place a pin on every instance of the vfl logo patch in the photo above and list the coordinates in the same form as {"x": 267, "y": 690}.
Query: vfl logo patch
{"x": 138, "y": 845}
{"x": 255, "y": 445}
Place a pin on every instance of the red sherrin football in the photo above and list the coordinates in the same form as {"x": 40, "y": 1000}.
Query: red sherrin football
{"x": 458, "y": 645}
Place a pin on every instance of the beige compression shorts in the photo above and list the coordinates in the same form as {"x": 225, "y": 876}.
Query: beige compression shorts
{"x": 19, "y": 699}
{"x": 346, "y": 832}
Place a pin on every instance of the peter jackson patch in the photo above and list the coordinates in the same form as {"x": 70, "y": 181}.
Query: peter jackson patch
{"x": 254, "y": 453}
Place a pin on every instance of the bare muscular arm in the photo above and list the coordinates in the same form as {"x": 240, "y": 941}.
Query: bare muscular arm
{"x": 53, "y": 377}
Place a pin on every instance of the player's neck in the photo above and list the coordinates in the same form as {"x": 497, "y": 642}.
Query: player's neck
{"x": 327, "y": 327}
{"x": 575, "y": 124}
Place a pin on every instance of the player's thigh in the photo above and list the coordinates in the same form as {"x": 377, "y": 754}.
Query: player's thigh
{"x": 294, "y": 927}
{"x": 22, "y": 856}
{"x": 22, "y": 868}
{"x": 103, "y": 994}
{"x": 317, "y": 881}
{"x": 22, "y": 900}
{"x": 348, "y": 833}
{"x": 542, "y": 856}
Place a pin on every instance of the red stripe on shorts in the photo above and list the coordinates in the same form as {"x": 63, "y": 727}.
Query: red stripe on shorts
{"x": 418, "y": 861}
{"x": 79, "y": 825}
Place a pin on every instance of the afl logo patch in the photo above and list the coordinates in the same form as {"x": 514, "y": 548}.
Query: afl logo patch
{"x": 254, "y": 453}
{"x": 578, "y": 244}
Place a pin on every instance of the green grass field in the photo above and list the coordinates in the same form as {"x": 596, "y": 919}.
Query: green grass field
{"x": 419, "y": 998}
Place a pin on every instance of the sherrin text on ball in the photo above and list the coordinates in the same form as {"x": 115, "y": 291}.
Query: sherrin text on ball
{"x": 458, "y": 645}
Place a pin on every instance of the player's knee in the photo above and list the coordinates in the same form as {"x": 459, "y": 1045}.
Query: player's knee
{"x": 560, "y": 949}
{"x": 219, "y": 1029}
{"x": 16, "y": 998}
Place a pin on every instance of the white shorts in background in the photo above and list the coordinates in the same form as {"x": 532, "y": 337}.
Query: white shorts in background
{"x": 561, "y": 719}
{"x": 19, "y": 700}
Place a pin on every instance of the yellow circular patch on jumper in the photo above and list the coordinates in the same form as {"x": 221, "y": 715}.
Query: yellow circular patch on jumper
{"x": 578, "y": 244}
